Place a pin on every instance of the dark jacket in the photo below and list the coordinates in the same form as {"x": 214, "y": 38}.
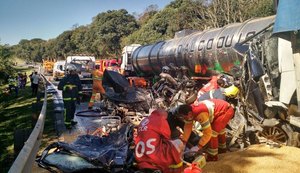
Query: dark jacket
{"x": 71, "y": 86}
{"x": 213, "y": 94}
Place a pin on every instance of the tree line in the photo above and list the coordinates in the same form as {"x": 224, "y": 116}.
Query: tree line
{"x": 114, "y": 29}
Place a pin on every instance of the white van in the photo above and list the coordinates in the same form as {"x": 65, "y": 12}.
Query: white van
{"x": 59, "y": 70}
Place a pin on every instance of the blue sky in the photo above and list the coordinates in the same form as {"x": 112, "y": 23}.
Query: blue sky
{"x": 45, "y": 19}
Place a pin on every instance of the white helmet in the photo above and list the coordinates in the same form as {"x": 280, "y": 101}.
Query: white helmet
{"x": 71, "y": 67}
{"x": 165, "y": 69}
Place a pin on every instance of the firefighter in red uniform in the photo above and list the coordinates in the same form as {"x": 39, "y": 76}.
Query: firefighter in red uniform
{"x": 154, "y": 148}
{"x": 215, "y": 83}
{"x": 97, "y": 86}
{"x": 213, "y": 115}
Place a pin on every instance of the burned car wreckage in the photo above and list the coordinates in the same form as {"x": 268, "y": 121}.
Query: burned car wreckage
{"x": 246, "y": 53}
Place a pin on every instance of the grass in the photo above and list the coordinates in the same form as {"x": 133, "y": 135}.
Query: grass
{"x": 16, "y": 114}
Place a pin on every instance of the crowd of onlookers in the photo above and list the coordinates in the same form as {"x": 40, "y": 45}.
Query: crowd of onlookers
{"x": 19, "y": 81}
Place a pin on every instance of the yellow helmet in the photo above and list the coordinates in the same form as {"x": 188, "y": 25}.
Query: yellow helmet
{"x": 231, "y": 91}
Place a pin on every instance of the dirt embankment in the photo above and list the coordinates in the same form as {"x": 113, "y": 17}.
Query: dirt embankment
{"x": 257, "y": 159}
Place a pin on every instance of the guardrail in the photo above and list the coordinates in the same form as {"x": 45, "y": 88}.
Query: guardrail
{"x": 27, "y": 155}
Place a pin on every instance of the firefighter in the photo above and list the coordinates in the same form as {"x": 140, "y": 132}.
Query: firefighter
{"x": 154, "y": 149}
{"x": 213, "y": 115}
{"x": 230, "y": 95}
{"x": 227, "y": 94}
{"x": 215, "y": 83}
{"x": 97, "y": 86}
{"x": 71, "y": 87}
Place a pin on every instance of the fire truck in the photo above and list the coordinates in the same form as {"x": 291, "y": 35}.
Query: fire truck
{"x": 48, "y": 66}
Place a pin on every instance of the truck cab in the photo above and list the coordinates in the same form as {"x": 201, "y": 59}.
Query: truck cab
{"x": 59, "y": 70}
{"x": 126, "y": 67}
{"x": 113, "y": 65}
{"x": 84, "y": 65}
{"x": 48, "y": 66}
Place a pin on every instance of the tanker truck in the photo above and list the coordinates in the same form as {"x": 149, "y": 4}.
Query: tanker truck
{"x": 248, "y": 52}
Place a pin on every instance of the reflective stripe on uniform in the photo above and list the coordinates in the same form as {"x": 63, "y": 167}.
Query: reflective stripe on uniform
{"x": 176, "y": 166}
{"x": 92, "y": 100}
{"x": 214, "y": 134}
{"x": 205, "y": 125}
{"x": 65, "y": 116}
{"x": 222, "y": 145}
{"x": 212, "y": 151}
{"x": 211, "y": 94}
{"x": 68, "y": 99}
{"x": 211, "y": 109}
{"x": 69, "y": 86}
{"x": 97, "y": 78}
{"x": 188, "y": 121}
{"x": 222, "y": 132}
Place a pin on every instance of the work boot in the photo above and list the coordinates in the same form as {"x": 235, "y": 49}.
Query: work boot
{"x": 73, "y": 123}
{"x": 211, "y": 158}
{"x": 222, "y": 150}
{"x": 270, "y": 122}
{"x": 68, "y": 126}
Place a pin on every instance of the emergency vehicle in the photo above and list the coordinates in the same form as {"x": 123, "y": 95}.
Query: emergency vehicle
{"x": 84, "y": 65}
{"x": 48, "y": 66}
{"x": 59, "y": 70}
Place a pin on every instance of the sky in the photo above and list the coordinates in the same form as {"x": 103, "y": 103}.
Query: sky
{"x": 46, "y": 19}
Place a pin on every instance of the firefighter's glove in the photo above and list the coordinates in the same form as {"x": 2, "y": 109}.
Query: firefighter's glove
{"x": 195, "y": 149}
{"x": 198, "y": 149}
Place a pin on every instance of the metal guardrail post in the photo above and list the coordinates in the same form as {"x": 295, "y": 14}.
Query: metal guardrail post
{"x": 27, "y": 155}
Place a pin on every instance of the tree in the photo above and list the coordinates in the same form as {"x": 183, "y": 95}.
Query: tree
{"x": 5, "y": 63}
{"x": 149, "y": 12}
{"x": 109, "y": 27}
{"x": 114, "y": 29}
{"x": 218, "y": 13}
{"x": 64, "y": 45}
{"x": 79, "y": 39}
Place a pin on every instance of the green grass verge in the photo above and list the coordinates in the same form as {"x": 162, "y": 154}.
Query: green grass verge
{"x": 16, "y": 113}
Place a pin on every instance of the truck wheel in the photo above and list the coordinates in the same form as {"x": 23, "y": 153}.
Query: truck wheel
{"x": 278, "y": 134}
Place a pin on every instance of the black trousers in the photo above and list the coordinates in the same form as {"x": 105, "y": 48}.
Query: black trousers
{"x": 70, "y": 107}
{"x": 34, "y": 89}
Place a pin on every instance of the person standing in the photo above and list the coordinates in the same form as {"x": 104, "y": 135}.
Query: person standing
{"x": 13, "y": 85}
{"x": 70, "y": 86}
{"x": 213, "y": 115}
{"x": 30, "y": 77}
{"x": 97, "y": 86}
{"x": 20, "y": 77}
{"x": 35, "y": 83}
{"x": 24, "y": 80}
{"x": 154, "y": 150}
